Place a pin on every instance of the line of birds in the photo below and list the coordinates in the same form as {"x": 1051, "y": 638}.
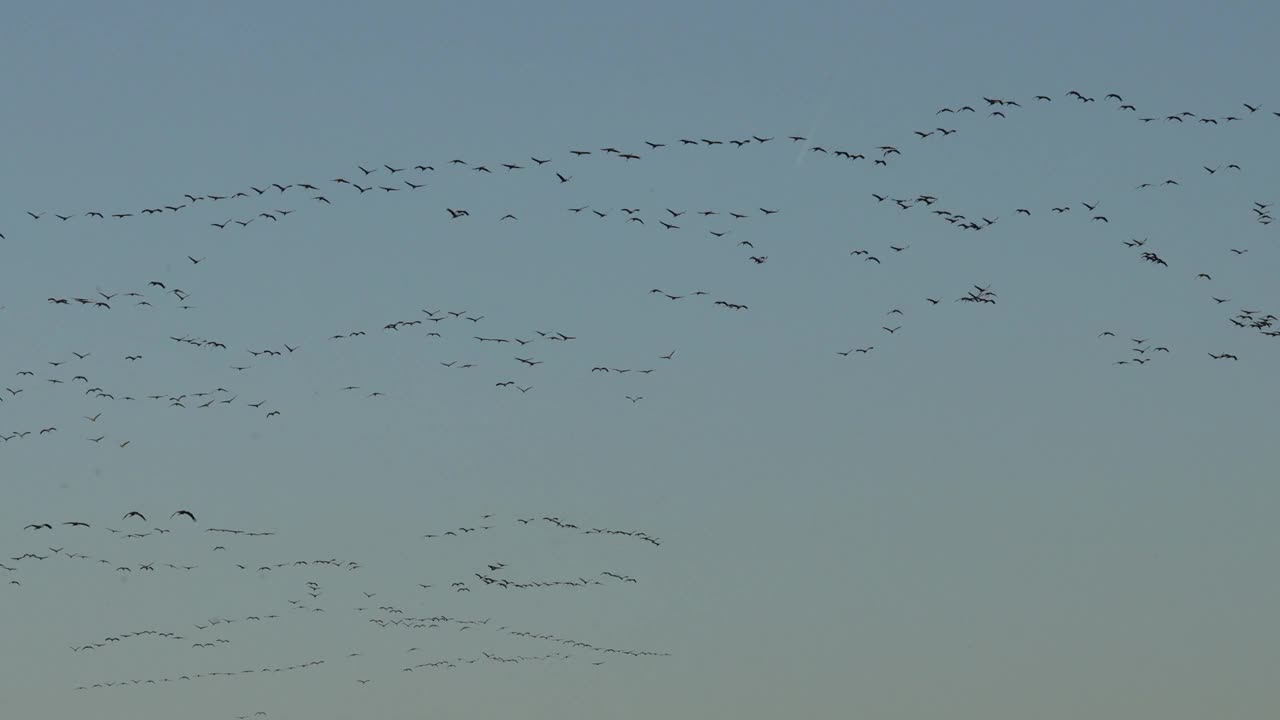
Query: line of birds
{"x": 225, "y": 633}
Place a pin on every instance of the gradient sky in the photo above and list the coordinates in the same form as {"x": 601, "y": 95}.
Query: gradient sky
{"x": 982, "y": 518}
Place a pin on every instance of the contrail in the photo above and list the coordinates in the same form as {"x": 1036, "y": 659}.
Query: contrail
{"x": 822, "y": 113}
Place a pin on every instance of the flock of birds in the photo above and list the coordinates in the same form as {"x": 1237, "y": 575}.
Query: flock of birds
{"x": 91, "y": 548}
{"x": 498, "y": 354}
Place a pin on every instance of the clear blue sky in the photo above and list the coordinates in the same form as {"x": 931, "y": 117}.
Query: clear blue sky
{"x": 983, "y": 517}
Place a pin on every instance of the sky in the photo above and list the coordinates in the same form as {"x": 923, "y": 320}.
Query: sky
{"x": 981, "y": 517}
